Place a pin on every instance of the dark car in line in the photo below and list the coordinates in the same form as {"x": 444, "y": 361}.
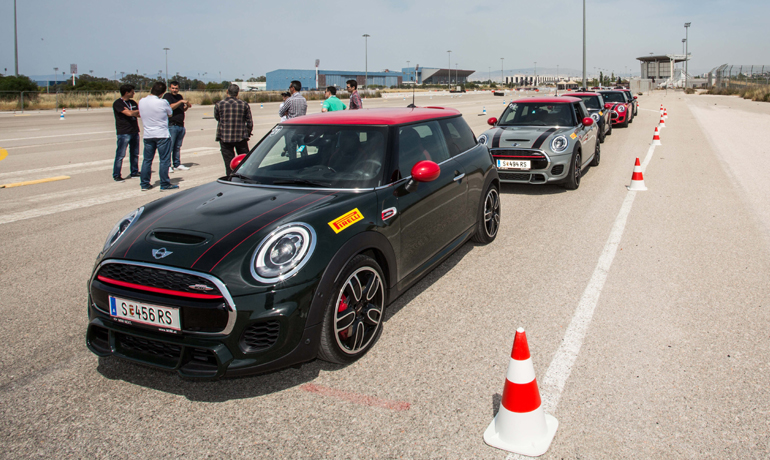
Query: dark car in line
{"x": 594, "y": 103}
{"x": 543, "y": 140}
{"x": 295, "y": 255}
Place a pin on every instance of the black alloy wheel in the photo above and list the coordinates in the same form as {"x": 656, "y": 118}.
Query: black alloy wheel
{"x": 597, "y": 155}
{"x": 573, "y": 180}
{"x": 353, "y": 319}
{"x": 609, "y": 131}
{"x": 488, "y": 221}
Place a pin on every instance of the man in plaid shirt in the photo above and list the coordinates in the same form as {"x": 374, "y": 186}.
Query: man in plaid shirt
{"x": 296, "y": 105}
{"x": 235, "y": 126}
{"x": 355, "y": 98}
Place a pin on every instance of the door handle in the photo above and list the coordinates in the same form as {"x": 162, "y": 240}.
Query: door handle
{"x": 460, "y": 177}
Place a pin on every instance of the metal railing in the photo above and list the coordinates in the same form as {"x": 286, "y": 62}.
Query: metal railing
{"x": 739, "y": 76}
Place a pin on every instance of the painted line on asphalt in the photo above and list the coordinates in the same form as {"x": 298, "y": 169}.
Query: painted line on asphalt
{"x": 356, "y": 398}
{"x": 33, "y": 182}
{"x": 3, "y": 154}
{"x": 58, "y": 135}
{"x": 561, "y": 365}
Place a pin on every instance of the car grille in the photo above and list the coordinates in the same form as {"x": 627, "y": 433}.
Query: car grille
{"x": 149, "y": 347}
{"x": 520, "y": 177}
{"x": 260, "y": 336}
{"x": 558, "y": 169}
{"x": 158, "y": 278}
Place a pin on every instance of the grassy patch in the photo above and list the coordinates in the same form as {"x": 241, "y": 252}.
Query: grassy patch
{"x": 754, "y": 93}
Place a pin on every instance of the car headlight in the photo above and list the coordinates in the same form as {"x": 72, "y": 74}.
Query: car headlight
{"x": 283, "y": 252}
{"x": 483, "y": 139}
{"x": 120, "y": 228}
{"x": 595, "y": 116}
{"x": 559, "y": 144}
{"x": 621, "y": 108}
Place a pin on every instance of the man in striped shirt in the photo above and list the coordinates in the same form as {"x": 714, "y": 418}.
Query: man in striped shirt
{"x": 355, "y": 99}
{"x": 296, "y": 105}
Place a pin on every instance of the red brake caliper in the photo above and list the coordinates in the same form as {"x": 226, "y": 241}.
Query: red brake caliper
{"x": 342, "y": 307}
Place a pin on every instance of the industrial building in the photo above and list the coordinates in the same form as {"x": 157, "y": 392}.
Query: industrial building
{"x": 435, "y": 76}
{"x": 278, "y": 80}
{"x": 662, "y": 70}
{"x": 530, "y": 80}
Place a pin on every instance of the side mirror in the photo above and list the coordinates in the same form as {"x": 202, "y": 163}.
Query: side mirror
{"x": 608, "y": 106}
{"x": 492, "y": 121}
{"x": 425, "y": 171}
{"x": 588, "y": 121}
{"x": 235, "y": 162}
{"x": 634, "y": 97}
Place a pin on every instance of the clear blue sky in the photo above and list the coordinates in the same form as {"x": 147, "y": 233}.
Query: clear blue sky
{"x": 244, "y": 37}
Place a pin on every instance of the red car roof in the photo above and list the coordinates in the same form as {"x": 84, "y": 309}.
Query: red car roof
{"x": 553, "y": 100}
{"x": 383, "y": 116}
{"x": 584, "y": 94}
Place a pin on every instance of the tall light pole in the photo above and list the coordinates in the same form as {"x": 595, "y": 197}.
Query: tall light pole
{"x": 535, "y": 82}
{"x": 502, "y": 66}
{"x": 166, "y": 50}
{"x": 687, "y": 51}
{"x": 584, "y": 43}
{"x": 449, "y": 69}
{"x": 15, "y": 40}
{"x": 366, "y": 60}
{"x": 457, "y": 78}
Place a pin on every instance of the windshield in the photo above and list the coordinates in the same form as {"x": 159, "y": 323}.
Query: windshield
{"x": 614, "y": 96}
{"x": 537, "y": 114}
{"x": 318, "y": 156}
{"x": 591, "y": 102}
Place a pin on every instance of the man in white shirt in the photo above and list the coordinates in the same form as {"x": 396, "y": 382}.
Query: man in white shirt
{"x": 155, "y": 113}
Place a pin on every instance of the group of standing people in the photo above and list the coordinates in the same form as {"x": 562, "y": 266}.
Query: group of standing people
{"x": 163, "y": 126}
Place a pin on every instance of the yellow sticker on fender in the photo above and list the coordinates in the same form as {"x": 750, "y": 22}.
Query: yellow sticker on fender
{"x": 573, "y": 135}
{"x": 342, "y": 222}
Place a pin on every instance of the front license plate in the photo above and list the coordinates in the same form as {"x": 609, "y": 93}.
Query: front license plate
{"x": 129, "y": 312}
{"x": 514, "y": 164}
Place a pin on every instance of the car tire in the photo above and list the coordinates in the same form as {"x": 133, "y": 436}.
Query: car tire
{"x": 602, "y": 136}
{"x": 597, "y": 155}
{"x": 488, "y": 219}
{"x": 573, "y": 180}
{"x": 353, "y": 318}
{"x": 609, "y": 131}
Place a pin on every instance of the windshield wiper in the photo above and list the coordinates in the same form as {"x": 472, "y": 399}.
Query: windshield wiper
{"x": 244, "y": 178}
{"x": 302, "y": 182}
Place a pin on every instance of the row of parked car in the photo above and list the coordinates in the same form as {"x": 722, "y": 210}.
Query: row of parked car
{"x": 550, "y": 140}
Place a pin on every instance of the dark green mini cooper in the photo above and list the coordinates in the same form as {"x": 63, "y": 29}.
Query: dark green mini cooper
{"x": 295, "y": 255}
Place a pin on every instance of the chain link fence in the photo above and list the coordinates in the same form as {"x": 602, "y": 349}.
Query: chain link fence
{"x": 35, "y": 100}
{"x": 738, "y": 76}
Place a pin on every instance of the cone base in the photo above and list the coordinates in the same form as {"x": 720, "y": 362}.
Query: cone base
{"x": 530, "y": 448}
{"x": 636, "y": 186}
{"x": 656, "y": 142}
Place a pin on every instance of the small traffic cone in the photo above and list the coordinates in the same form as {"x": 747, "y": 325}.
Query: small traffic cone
{"x": 484, "y": 112}
{"x": 261, "y": 106}
{"x": 637, "y": 179}
{"x": 662, "y": 123}
{"x": 656, "y": 137}
{"x": 521, "y": 425}
{"x": 665, "y": 114}
{"x": 61, "y": 116}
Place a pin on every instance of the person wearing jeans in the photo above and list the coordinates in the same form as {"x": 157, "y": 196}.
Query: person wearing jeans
{"x": 126, "y": 112}
{"x": 155, "y": 113}
{"x": 176, "y": 125}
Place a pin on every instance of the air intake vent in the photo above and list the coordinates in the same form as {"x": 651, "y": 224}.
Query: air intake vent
{"x": 179, "y": 238}
{"x": 260, "y": 336}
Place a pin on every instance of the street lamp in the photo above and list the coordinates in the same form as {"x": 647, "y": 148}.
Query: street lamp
{"x": 502, "y": 66}
{"x": 449, "y": 70}
{"x": 15, "y": 40}
{"x": 584, "y": 43}
{"x": 457, "y": 78}
{"x": 366, "y": 60}
{"x": 166, "y": 50}
{"x": 535, "y": 82}
{"x": 687, "y": 51}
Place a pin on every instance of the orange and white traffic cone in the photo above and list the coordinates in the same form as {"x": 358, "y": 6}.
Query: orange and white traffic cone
{"x": 521, "y": 426}
{"x": 662, "y": 123}
{"x": 656, "y": 137}
{"x": 637, "y": 179}
{"x": 665, "y": 114}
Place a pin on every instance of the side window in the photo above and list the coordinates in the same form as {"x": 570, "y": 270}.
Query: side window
{"x": 458, "y": 135}
{"x": 580, "y": 112}
{"x": 417, "y": 143}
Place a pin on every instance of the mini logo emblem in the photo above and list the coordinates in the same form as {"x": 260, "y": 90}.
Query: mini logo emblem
{"x": 342, "y": 222}
{"x": 161, "y": 253}
{"x": 201, "y": 287}
{"x": 515, "y": 144}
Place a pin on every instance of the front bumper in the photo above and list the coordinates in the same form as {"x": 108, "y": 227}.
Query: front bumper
{"x": 548, "y": 169}
{"x": 619, "y": 118}
{"x": 267, "y": 332}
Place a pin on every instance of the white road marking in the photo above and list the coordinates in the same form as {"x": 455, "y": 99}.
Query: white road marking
{"x": 560, "y": 368}
{"x": 58, "y": 135}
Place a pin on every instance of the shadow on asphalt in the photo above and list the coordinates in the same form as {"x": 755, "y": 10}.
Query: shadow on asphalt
{"x": 537, "y": 189}
{"x": 260, "y": 384}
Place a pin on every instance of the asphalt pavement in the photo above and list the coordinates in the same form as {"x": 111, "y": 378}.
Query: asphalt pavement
{"x": 647, "y": 313}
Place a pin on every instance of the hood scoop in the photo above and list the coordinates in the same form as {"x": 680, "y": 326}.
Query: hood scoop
{"x": 175, "y": 236}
